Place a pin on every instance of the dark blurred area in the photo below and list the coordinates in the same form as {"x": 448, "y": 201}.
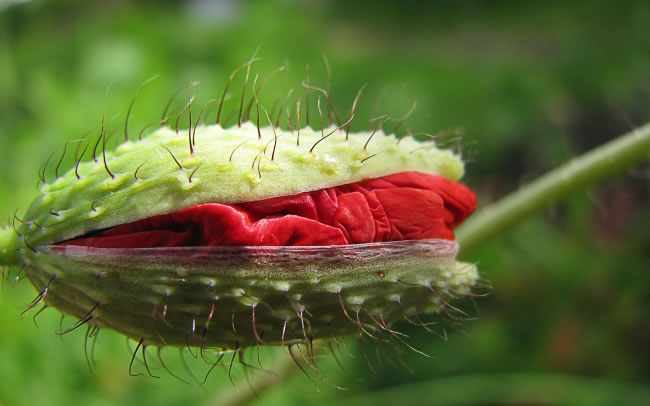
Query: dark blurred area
{"x": 531, "y": 84}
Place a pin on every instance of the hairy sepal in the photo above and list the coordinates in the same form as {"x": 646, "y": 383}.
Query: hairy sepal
{"x": 233, "y": 297}
{"x": 226, "y": 166}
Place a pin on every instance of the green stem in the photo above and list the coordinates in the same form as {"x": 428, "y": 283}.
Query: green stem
{"x": 8, "y": 254}
{"x": 607, "y": 160}
{"x": 283, "y": 367}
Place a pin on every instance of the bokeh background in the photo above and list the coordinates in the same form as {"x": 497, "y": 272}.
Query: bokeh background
{"x": 530, "y": 83}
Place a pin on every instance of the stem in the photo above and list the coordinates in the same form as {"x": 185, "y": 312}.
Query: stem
{"x": 8, "y": 254}
{"x": 592, "y": 167}
{"x": 607, "y": 160}
{"x": 283, "y": 367}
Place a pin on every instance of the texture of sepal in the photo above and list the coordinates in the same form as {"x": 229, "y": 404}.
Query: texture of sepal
{"x": 233, "y": 297}
{"x": 162, "y": 174}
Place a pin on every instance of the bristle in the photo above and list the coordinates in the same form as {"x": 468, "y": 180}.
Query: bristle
{"x": 104, "y": 157}
{"x": 298, "y": 122}
{"x": 257, "y": 90}
{"x": 155, "y": 123}
{"x": 243, "y": 92}
{"x": 330, "y": 107}
{"x": 85, "y": 348}
{"x": 135, "y": 353}
{"x": 189, "y": 130}
{"x": 198, "y": 119}
{"x": 58, "y": 165}
{"x": 311, "y": 150}
{"x": 382, "y": 120}
{"x": 42, "y": 172}
{"x": 275, "y": 135}
{"x": 257, "y": 109}
{"x": 230, "y": 79}
{"x": 194, "y": 171}
{"x": 164, "y": 117}
{"x": 13, "y": 224}
{"x": 128, "y": 111}
{"x": 281, "y": 111}
{"x": 406, "y": 117}
{"x": 135, "y": 174}
{"x": 174, "y": 158}
{"x": 83, "y": 320}
{"x": 307, "y": 95}
{"x": 352, "y": 109}
{"x": 99, "y": 139}
{"x": 180, "y": 114}
{"x": 320, "y": 113}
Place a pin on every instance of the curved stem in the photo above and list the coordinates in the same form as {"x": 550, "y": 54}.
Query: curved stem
{"x": 594, "y": 166}
{"x": 283, "y": 367}
{"x": 607, "y": 160}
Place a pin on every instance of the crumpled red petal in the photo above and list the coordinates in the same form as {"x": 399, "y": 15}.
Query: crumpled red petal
{"x": 403, "y": 206}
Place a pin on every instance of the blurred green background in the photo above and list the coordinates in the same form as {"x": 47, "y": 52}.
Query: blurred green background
{"x": 531, "y": 83}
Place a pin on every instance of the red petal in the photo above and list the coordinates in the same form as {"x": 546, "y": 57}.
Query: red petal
{"x": 404, "y": 206}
